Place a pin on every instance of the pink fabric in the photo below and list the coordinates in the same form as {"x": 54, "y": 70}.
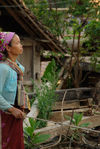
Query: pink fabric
{"x": 12, "y": 132}
{"x": 5, "y": 38}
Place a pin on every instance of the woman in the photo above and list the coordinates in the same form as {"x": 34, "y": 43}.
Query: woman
{"x": 11, "y": 115}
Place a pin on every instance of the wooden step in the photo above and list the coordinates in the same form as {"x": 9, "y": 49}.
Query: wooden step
{"x": 73, "y": 104}
{"x": 56, "y": 116}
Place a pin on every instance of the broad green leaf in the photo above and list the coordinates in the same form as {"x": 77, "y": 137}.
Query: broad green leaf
{"x": 32, "y": 122}
{"x": 29, "y": 131}
{"x": 41, "y": 138}
{"x": 84, "y": 124}
{"x": 77, "y": 118}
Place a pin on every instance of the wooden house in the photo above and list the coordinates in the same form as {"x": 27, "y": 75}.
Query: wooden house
{"x": 15, "y": 17}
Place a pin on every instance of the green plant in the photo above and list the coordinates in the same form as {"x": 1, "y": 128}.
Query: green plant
{"x": 75, "y": 20}
{"x": 77, "y": 118}
{"x": 92, "y": 32}
{"x": 45, "y": 93}
{"x": 31, "y": 139}
{"x": 76, "y": 134}
{"x": 51, "y": 72}
{"x": 46, "y": 99}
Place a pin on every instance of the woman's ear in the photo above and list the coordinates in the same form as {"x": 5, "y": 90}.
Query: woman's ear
{"x": 7, "y": 48}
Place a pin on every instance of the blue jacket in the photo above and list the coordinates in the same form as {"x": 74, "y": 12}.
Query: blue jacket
{"x": 8, "y": 85}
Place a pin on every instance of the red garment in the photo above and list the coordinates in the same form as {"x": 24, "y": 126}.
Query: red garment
{"x": 12, "y": 132}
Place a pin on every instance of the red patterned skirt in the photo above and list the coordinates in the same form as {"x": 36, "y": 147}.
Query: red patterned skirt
{"x": 11, "y": 132}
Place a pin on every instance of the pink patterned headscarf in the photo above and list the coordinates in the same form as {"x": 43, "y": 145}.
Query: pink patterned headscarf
{"x": 5, "y": 38}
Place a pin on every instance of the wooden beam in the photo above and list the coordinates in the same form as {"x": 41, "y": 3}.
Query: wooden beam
{"x": 27, "y": 83}
{"x": 37, "y": 26}
{"x": 73, "y": 105}
{"x": 75, "y": 93}
{"x": 57, "y": 116}
{"x": 11, "y": 12}
{"x": 59, "y": 9}
{"x": 33, "y": 64}
{"x": 57, "y": 129}
{"x": 58, "y": 105}
{"x": 42, "y": 40}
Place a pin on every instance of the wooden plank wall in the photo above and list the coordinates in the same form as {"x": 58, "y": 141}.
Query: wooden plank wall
{"x": 30, "y": 59}
{"x": 37, "y": 64}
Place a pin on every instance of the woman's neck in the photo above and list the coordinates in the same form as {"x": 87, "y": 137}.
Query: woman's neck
{"x": 12, "y": 58}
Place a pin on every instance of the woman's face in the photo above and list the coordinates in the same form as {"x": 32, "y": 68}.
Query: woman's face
{"x": 16, "y": 47}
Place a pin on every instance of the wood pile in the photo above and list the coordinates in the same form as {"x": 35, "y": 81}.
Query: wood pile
{"x": 76, "y": 99}
{"x": 78, "y": 103}
{"x": 82, "y": 106}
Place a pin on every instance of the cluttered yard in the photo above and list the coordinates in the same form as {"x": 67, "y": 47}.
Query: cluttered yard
{"x": 72, "y": 121}
{"x": 65, "y": 96}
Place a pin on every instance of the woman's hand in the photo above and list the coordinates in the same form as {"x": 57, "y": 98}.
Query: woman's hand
{"x": 16, "y": 113}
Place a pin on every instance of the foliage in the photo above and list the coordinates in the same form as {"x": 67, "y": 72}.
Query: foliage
{"x": 31, "y": 139}
{"x": 95, "y": 63}
{"x": 80, "y": 18}
{"x": 46, "y": 99}
{"x": 77, "y": 118}
{"x": 92, "y": 43}
{"x": 92, "y": 30}
{"x": 51, "y": 72}
{"x": 45, "y": 94}
{"x": 59, "y": 22}
{"x": 57, "y": 3}
{"x": 79, "y": 7}
{"x": 56, "y": 21}
{"x": 76, "y": 134}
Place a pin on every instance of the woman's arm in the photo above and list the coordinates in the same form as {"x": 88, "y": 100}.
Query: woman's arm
{"x": 4, "y": 105}
{"x": 4, "y": 72}
{"x": 16, "y": 112}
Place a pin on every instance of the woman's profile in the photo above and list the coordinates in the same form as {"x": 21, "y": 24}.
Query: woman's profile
{"x": 11, "y": 110}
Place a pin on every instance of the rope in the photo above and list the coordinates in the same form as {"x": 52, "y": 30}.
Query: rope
{"x": 60, "y": 123}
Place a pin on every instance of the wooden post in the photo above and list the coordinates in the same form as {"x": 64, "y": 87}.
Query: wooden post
{"x": 33, "y": 63}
